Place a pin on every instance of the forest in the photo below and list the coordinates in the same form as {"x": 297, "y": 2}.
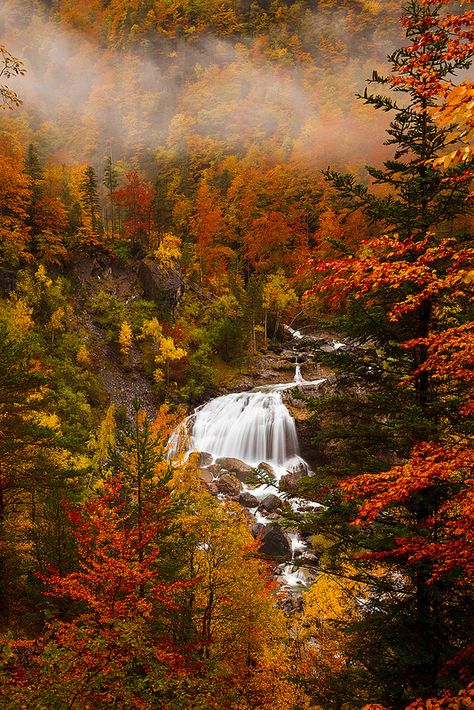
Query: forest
{"x": 236, "y": 354}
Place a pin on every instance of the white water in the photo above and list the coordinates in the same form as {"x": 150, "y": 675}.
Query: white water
{"x": 251, "y": 426}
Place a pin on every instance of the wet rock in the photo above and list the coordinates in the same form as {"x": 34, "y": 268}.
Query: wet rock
{"x": 273, "y": 516}
{"x": 309, "y": 557}
{"x": 307, "y": 575}
{"x": 249, "y": 516}
{"x": 204, "y": 459}
{"x": 266, "y": 468}
{"x": 164, "y": 286}
{"x": 216, "y": 470}
{"x": 235, "y": 466}
{"x": 275, "y": 544}
{"x": 205, "y": 476}
{"x": 212, "y": 488}
{"x": 229, "y": 485}
{"x": 248, "y": 500}
{"x": 271, "y": 503}
{"x": 289, "y": 481}
{"x": 291, "y": 603}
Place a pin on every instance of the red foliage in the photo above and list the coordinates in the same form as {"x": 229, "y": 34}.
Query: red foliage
{"x": 136, "y": 198}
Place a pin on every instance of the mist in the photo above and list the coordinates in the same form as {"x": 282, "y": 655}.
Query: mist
{"x": 87, "y": 100}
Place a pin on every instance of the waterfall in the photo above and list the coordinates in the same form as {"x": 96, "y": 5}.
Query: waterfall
{"x": 250, "y": 426}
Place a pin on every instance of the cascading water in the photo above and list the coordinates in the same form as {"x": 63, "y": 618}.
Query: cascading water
{"x": 253, "y": 427}
{"x": 250, "y": 426}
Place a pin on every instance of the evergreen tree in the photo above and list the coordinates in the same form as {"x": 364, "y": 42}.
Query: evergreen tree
{"x": 90, "y": 199}
{"x": 110, "y": 182}
{"x": 34, "y": 169}
{"x": 386, "y": 401}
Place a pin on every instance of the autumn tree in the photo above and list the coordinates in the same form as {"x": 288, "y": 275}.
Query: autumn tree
{"x": 9, "y": 66}
{"x": 277, "y": 298}
{"x": 112, "y": 648}
{"x": 135, "y": 199}
{"x": 408, "y": 294}
{"x": 14, "y": 202}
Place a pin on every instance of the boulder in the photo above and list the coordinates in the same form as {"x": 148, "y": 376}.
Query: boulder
{"x": 271, "y": 503}
{"x": 238, "y": 468}
{"x": 216, "y": 470}
{"x": 248, "y": 500}
{"x": 266, "y": 468}
{"x": 212, "y": 488}
{"x": 229, "y": 485}
{"x": 275, "y": 544}
{"x": 289, "y": 481}
{"x": 205, "y": 476}
{"x": 204, "y": 459}
{"x": 164, "y": 286}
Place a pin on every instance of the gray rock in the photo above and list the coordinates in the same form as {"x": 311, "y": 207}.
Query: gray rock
{"x": 248, "y": 500}
{"x": 235, "y": 466}
{"x": 275, "y": 544}
{"x": 229, "y": 485}
{"x": 160, "y": 285}
{"x": 205, "y": 476}
{"x": 204, "y": 459}
{"x": 289, "y": 481}
{"x": 271, "y": 503}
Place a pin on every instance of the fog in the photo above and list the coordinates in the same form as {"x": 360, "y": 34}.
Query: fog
{"x": 86, "y": 100}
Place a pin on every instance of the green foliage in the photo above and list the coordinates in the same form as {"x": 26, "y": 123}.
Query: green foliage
{"x": 109, "y": 313}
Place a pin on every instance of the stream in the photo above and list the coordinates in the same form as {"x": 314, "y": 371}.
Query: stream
{"x": 256, "y": 429}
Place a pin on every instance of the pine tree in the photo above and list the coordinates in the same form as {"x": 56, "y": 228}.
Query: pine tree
{"x": 90, "y": 199}
{"x": 388, "y": 398}
{"x": 110, "y": 182}
{"x": 34, "y": 169}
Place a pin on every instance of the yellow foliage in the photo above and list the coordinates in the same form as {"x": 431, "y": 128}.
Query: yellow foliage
{"x": 21, "y": 321}
{"x": 277, "y": 295}
{"x": 168, "y": 251}
{"x": 57, "y": 319}
{"x": 45, "y": 419}
{"x": 125, "y": 339}
{"x": 104, "y": 440}
{"x": 151, "y": 329}
{"x": 42, "y": 277}
{"x": 83, "y": 356}
{"x": 169, "y": 351}
{"x": 158, "y": 376}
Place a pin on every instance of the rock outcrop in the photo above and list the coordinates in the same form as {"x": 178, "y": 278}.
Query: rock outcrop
{"x": 164, "y": 286}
